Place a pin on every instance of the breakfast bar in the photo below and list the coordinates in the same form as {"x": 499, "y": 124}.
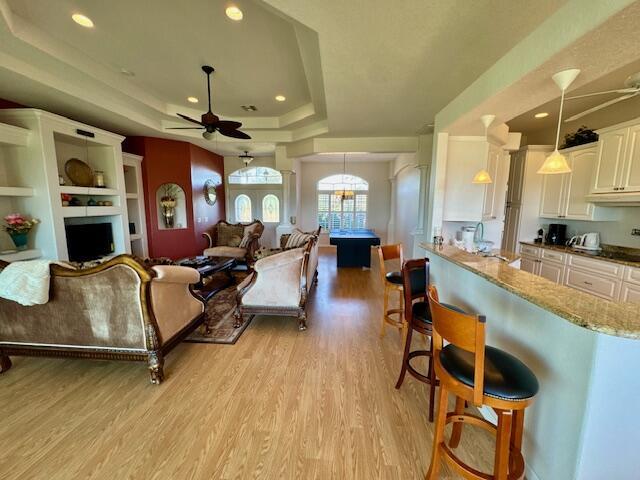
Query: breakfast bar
{"x": 584, "y": 350}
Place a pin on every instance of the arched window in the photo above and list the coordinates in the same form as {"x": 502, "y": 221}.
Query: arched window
{"x": 243, "y": 208}
{"x": 335, "y": 211}
{"x": 270, "y": 209}
{"x": 255, "y": 176}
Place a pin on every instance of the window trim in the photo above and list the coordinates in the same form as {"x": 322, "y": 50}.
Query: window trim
{"x": 239, "y": 173}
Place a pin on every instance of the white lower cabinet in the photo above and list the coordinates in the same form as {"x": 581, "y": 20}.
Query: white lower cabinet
{"x": 608, "y": 280}
{"x": 590, "y": 282}
{"x": 552, "y": 271}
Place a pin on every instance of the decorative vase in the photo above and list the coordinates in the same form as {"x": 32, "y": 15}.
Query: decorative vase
{"x": 19, "y": 240}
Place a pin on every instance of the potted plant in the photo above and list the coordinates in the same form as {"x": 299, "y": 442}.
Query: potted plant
{"x": 18, "y": 228}
{"x": 168, "y": 202}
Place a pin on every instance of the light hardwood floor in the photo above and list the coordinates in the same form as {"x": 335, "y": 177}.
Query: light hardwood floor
{"x": 280, "y": 404}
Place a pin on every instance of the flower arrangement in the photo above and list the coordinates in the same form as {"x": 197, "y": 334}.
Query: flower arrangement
{"x": 16, "y": 224}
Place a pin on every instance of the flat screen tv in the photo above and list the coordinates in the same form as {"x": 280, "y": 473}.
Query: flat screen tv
{"x": 89, "y": 241}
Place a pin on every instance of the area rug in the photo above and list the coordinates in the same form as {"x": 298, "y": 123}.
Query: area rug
{"x": 219, "y": 312}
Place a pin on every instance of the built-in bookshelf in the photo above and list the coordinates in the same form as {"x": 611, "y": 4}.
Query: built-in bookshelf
{"x": 132, "y": 165}
{"x": 34, "y": 148}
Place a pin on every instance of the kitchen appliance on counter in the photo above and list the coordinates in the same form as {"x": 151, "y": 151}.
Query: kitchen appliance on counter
{"x": 557, "y": 234}
{"x": 588, "y": 241}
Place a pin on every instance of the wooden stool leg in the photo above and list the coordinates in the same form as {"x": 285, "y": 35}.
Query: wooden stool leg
{"x": 503, "y": 444}
{"x": 401, "y": 320}
{"x": 517, "y": 430}
{"x": 438, "y": 436}
{"x": 385, "y": 307}
{"x": 456, "y": 432}
{"x": 432, "y": 381}
{"x": 405, "y": 357}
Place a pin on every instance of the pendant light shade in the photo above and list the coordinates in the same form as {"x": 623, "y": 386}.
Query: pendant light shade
{"x": 556, "y": 162}
{"x": 482, "y": 176}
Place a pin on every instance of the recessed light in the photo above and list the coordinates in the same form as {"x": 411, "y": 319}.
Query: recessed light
{"x": 280, "y": 98}
{"x": 234, "y": 13}
{"x": 192, "y": 100}
{"x": 541, "y": 115}
{"x": 127, "y": 73}
{"x": 82, "y": 20}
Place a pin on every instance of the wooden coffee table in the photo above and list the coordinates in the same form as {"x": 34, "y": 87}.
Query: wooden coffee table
{"x": 207, "y": 267}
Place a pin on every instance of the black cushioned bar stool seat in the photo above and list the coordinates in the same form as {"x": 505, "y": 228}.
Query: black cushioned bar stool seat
{"x": 505, "y": 376}
{"x": 394, "y": 277}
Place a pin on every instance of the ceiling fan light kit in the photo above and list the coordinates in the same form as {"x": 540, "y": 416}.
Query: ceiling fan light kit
{"x": 556, "y": 162}
{"x": 482, "y": 176}
{"x": 210, "y": 122}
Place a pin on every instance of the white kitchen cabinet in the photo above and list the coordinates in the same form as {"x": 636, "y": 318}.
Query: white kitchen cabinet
{"x": 589, "y": 282}
{"x": 530, "y": 264}
{"x": 630, "y": 293}
{"x": 618, "y": 160}
{"x": 552, "y": 271}
{"x": 490, "y": 191}
{"x": 563, "y": 195}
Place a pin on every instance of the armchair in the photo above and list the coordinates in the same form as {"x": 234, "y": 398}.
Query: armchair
{"x": 234, "y": 240}
{"x": 118, "y": 310}
{"x": 280, "y": 285}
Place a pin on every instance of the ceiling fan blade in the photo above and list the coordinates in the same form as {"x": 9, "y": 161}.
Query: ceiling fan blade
{"x": 228, "y": 125}
{"x": 184, "y": 128}
{"x": 233, "y": 133}
{"x": 620, "y": 90}
{"x": 189, "y": 119}
{"x": 601, "y": 106}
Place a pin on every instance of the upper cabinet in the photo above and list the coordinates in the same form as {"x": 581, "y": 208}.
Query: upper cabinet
{"x": 618, "y": 161}
{"x": 563, "y": 196}
{"x": 469, "y": 202}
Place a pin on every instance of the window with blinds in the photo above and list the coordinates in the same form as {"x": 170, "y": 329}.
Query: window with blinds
{"x": 335, "y": 213}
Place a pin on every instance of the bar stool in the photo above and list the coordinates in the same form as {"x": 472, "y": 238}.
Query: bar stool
{"x": 415, "y": 276}
{"x": 392, "y": 282}
{"x": 484, "y": 375}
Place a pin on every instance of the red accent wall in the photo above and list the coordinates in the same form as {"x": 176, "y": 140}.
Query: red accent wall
{"x": 171, "y": 161}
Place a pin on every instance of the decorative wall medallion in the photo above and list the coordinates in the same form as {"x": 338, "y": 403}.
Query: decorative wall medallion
{"x": 210, "y": 195}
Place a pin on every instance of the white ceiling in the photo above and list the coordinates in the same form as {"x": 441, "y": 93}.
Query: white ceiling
{"x": 362, "y": 68}
{"x": 543, "y": 129}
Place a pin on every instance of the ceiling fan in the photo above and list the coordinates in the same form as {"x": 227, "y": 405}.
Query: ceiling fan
{"x": 632, "y": 89}
{"x": 246, "y": 158}
{"x": 210, "y": 122}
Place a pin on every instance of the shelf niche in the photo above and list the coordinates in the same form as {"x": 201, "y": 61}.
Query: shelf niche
{"x": 171, "y": 218}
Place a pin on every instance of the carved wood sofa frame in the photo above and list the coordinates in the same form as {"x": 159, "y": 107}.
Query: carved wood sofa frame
{"x": 298, "y": 312}
{"x": 155, "y": 351}
{"x": 254, "y": 244}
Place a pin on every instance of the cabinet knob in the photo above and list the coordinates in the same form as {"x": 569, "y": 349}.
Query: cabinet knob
{"x": 588, "y": 283}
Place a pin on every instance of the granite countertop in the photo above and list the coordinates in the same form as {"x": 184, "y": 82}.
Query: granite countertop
{"x": 582, "y": 309}
{"x": 608, "y": 253}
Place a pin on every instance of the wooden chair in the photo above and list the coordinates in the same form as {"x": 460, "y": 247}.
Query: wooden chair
{"x": 481, "y": 375}
{"x": 415, "y": 276}
{"x": 392, "y": 282}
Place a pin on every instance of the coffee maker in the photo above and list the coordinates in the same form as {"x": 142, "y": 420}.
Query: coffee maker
{"x": 557, "y": 234}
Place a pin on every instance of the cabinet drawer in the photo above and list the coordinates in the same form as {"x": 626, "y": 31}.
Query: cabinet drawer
{"x": 529, "y": 250}
{"x": 554, "y": 256}
{"x": 630, "y": 293}
{"x": 632, "y": 275}
{"x": 607, "y": 288}
{"x": 552, "y": 271}
{"x": 596, "y": 266}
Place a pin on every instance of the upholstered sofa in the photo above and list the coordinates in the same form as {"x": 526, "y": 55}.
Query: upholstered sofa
{"x": 299, "y": 241}
{"x": 280, "y": 285}
{"x": 234, "y": 240}
{"x": 118, "y": 310}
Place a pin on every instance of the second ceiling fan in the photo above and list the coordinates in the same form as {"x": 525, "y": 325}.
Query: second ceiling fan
{"x": 209, "y": 121}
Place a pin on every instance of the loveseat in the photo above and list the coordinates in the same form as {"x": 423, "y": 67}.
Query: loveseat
{"x": 234, "y": 240}
{"x": 280, "y": 285}
{"x": 118, "y": 310}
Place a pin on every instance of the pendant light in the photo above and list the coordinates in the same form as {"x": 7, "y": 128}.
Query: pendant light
{"x": 483, "y": 177}
{"x": 343, "y": 193}
{"x": 556, "y": 162}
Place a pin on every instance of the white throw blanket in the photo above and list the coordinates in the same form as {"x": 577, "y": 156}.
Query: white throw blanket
{"x": 26, "y": 282}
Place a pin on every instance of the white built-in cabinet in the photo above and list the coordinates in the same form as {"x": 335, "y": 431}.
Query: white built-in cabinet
{"x": 34, "y": 148}
{"x": 132, "y": 165}
{"x": 618, "y": 161}
{"x": 468, "y": 202}
{"x": 608, "y": 280}
{"x": 564, "y": 195}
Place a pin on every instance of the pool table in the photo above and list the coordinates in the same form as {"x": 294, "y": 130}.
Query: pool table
{"x": 354, "y": 246}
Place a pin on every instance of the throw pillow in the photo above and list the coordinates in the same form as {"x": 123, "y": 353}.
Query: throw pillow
{"x": 297, "y": 239}
{"x": 244, "y": 243}
{"x": 235, "y": 241}
{"x": 227, "y": 232}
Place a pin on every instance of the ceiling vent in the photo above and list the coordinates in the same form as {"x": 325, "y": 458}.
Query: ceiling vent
{"x": 249, "y": 108}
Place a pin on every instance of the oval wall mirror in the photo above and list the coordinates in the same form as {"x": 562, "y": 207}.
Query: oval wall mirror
{"x": 210, "y": 194}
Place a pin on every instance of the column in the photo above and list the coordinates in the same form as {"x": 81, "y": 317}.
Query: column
{"x": 391, "y": 226}
{"x": 422, "y": 198}
{"x": 285, "y": 222}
